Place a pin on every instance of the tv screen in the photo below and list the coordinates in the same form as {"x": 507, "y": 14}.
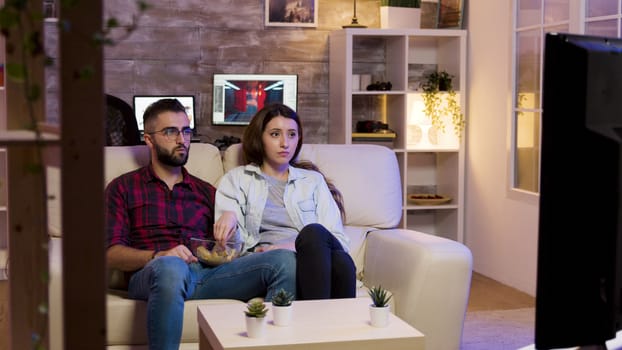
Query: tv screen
{"x": 578, "y": 288}
{"x": 141, "y": 102}
{"x": 237, "y": 97}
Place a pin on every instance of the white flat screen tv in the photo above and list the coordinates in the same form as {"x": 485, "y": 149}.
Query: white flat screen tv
{"x": 237, "y": 97}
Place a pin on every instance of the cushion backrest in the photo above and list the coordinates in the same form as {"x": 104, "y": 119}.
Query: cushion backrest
{"x": 367, "y": 175}
{"x": 204, "y": 161}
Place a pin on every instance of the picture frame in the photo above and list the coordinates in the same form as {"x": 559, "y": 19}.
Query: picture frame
{"x": 291, "y": 13}
{"x": 450, "y": 14}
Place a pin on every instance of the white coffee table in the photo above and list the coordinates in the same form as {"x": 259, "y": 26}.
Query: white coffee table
{"x": 317, "y": 324}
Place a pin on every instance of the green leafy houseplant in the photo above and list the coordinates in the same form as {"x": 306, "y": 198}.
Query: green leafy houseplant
{"x": 433, "y": 86}
{"x": 256, "y": 308}
{"x": 401, "y": 3}
{"x": 282, "y": 298}
{"x": 379, "y": 296}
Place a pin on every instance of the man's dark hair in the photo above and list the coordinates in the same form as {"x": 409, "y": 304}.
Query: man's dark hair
{"x": 160, "y": 106}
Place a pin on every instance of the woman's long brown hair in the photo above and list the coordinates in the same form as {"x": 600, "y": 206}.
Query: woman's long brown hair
{"x": 253, "y": 151}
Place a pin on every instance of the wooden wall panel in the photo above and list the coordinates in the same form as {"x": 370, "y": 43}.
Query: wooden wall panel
{"x": 179, "y": 44}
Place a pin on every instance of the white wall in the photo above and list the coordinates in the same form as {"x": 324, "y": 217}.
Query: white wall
{"x": 501, "y": 226}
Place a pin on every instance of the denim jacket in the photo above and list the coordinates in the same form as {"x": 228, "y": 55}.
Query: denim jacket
{"x": 308, "y": 200}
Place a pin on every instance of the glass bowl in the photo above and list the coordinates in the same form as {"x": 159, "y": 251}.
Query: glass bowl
{"x": 214, "y": 253}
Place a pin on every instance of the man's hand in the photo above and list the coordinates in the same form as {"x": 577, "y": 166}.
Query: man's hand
{"x": 181, "y": 251}
{"x": 225, "y": 226}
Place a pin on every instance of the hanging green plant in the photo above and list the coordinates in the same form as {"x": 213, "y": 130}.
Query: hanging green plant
{"x": 436, "y": 88}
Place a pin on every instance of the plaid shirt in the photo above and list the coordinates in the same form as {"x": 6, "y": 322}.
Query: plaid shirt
{"x": 142, "y": 213}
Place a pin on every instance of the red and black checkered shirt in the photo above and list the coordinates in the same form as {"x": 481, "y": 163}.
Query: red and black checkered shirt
{"x": 142, "y": 213}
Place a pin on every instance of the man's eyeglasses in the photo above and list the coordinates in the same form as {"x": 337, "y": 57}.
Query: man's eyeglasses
{"x": 172, "y": 133}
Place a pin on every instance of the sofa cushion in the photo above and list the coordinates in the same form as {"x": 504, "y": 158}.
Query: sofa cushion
{"x": 118, "y": 161}
{"x": 121, "y": 159}
{"x": 363, "y": 173}
{"x": 357, "y": 235}
{"x": 127, "y": 321}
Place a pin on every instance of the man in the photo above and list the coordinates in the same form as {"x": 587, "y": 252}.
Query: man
{"x": 153, "y": 212}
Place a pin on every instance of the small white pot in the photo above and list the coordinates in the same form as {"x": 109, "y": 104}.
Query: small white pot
{"x": 399, "y": 17}
{"x": 282, "y": 315}
{"x": 379, "y": 316}
{"x": 255, "y": 327}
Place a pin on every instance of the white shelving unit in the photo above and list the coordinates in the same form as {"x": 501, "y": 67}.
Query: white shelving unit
{"x": 400, "y": 56}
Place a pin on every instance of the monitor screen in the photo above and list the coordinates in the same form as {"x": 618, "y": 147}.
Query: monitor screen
{"x": 237, "y": 97}
{"x": 141, "y": 102}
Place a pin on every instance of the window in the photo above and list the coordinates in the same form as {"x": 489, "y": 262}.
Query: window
{"x": 533, "y": 19}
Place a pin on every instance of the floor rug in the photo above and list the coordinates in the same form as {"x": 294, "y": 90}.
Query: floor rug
{"x": 498, "y": 329}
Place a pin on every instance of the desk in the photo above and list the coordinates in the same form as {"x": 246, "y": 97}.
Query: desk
{"x": 316, "y": 324}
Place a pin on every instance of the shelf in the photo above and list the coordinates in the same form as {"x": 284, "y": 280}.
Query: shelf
{"x": 432, "y": 150}
{"x": 429, "y": 161}
{"x": 373, "y": 136}
{"x": 25, "y": 137}
{"x": 378, "y": 92}
{"x": 431, "y": 207}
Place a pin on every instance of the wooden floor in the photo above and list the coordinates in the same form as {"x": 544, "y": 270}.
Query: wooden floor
{"x": 488, "y": 294}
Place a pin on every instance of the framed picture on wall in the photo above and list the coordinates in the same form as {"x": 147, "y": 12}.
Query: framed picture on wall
{"x": 291, "y": 13}
{"x": 450, "y": 13}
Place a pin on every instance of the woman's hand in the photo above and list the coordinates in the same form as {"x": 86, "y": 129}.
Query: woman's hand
{"x": 225, "y": 227}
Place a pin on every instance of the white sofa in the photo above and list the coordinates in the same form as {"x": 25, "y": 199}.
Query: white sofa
{"x": 429, "y": 276}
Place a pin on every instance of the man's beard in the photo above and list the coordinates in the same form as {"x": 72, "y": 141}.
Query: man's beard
{"x": 170, "y": 158}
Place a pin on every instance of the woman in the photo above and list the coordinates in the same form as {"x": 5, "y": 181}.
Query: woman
{"x": 276, "y": 202}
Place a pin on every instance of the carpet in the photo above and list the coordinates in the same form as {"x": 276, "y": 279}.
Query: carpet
{"x": 498, "y": 329}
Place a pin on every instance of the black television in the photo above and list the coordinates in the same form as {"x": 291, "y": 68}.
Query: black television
{"x": 237, "y": 97}
{"x": 579, "y": 268}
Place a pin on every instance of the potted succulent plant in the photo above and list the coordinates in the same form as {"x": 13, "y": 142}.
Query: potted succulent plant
{"x": 379, "y": 309}
{"x": 400, "y": 13}
{"x": 255, "y": 312}
{"x": 440, "y": 99}
{"x": 282, "y": 307}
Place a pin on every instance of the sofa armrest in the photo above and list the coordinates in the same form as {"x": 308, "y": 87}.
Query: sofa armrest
{"x": 430, "y": 278}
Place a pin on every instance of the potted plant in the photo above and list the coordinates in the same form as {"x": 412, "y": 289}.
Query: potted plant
{"x": 400, "y": 13}
{"x": 255, "y": 318}
{"x": 282, "y": 307}
{"x": 379, "y": 309}
{"x": 439, "y": 99}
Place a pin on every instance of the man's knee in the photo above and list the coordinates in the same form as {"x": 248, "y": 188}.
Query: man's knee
{"x": 170, "y": 272}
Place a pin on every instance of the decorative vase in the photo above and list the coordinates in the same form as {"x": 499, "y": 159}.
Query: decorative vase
{"x": 282, "y": 315}
{"x": 400, "y": 17}
{"x": 379, "y": 316}
{"x": 255, "y": 327}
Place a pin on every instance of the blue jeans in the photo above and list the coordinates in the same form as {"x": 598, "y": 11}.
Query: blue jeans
{"x": 166, "y": 282}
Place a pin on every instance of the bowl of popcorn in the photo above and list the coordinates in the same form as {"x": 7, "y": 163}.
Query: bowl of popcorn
{"x": 214, "y": 253}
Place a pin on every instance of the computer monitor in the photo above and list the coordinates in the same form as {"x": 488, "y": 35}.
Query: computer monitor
{"x": 237, "y": 97}
{"x": 141, "y": 102}
{"x": 579, "y": 281}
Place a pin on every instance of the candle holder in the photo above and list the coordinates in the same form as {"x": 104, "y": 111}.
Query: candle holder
{"x": 355, "y": 21}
